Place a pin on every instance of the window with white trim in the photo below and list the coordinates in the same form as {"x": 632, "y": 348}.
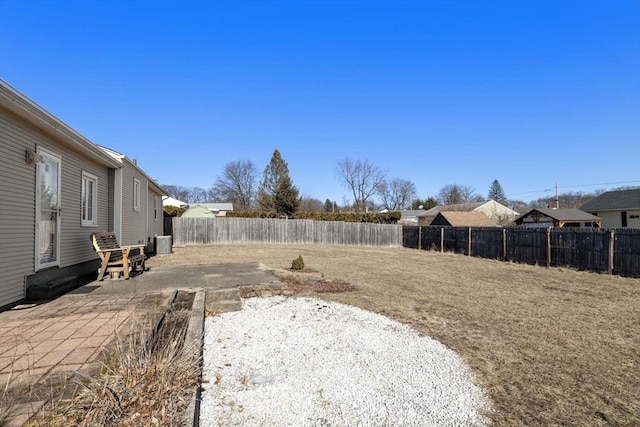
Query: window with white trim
{"x": 89, "y": 201}
{"x": 136, "y": 195}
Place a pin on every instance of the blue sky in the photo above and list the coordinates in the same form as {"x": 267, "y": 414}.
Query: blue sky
{"x": 437, "y": 92}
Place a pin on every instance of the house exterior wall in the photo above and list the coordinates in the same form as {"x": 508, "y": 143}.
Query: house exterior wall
{"x": 155, "y": 222}
{"x": 440, "y": 221}
{"x": 17, "y": 209}
{"x": 143, "y": 225}
{"x": 110, "y": 198}
{"x": 613, "y": 219}
{"x": 133, "y": 221}
{"x": 17, "y": 204}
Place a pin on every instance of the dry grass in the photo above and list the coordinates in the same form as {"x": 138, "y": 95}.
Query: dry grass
{"x": 143, "y": 383}
{"x": 550, "y": 346}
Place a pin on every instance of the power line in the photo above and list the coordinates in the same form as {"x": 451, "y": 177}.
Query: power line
{"x": 575, "y": 186}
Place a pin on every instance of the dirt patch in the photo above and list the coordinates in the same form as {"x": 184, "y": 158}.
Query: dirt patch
{"x": 550, "y": 346}
{"x": 303, "y": 284}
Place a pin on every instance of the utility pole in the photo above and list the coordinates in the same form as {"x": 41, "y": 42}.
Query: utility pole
{"x": 557, "y": 203}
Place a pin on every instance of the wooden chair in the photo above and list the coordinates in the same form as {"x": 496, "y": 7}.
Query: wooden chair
{"x": 116, "y": 258}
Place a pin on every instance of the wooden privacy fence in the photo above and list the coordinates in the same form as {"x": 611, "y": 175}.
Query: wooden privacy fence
{"x": 615, "y": 251}
{"x": 208, "y": 231}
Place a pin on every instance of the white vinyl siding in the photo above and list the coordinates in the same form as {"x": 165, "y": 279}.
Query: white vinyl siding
{"x": 89, "y": 200}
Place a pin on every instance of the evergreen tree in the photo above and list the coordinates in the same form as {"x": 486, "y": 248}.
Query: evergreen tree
{"x": 496, "y": 192}
{"x": 273, "y": 174}
{"x": 329, "y": 206}
{"x": 286, "y": 199}
{"x": 426, "y": 204}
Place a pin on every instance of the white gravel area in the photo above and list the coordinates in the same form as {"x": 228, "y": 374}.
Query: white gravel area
{"x": 307, "y": 362}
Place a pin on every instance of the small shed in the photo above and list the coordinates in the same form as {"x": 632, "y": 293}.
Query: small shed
{"x": 462, "y": 219}
{"x": 548, "y": 217}
{"x": 198, "y": 211}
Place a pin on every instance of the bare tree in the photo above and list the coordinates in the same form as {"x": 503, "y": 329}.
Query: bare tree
{"x": 361, "y": 178}
{"x": 453, "y": 194}
{"x": 198, "y": 195}
{"x": 177, "y": 192}
{"x": 237, "y": 185}
{"x": 397, "y": 194}
{"x": 310, "y": 204}
{"x": 565, "y": 200}
{"x": 187, "y": 194}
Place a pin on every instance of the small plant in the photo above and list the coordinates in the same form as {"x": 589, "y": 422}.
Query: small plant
{"x": 298, "y": 263}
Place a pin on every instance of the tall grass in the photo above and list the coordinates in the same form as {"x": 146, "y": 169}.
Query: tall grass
{"x": 141, "y": 384}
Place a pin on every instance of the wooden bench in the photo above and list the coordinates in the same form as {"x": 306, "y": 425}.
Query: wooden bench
{"x": 116, "y": 258}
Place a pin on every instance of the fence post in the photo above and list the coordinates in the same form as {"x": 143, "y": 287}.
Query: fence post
{"x": 504, "y": 244}
{"x": 441, "y": 239}
{"x": 612, "y": 247}
{"x": 419, "y": 237}
{"x": 469, "y": 245}
{"x": 549, "y": 247}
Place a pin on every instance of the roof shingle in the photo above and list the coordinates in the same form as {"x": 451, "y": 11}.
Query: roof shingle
{"x": 619, "y": 200}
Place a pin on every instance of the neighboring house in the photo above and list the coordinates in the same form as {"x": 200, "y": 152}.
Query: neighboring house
{"x": 497, "y": 212}
{"x": 170, "y": 201}
{"x": 198, "y": 211}
{"x": 56, "y": 188}
{"x": 619, "y": 208}
{"x": 548, "y": 217}
{"x": 409, "y": 217}
{"x": 462, "y": 219}
{"x": 138, "y": 217}
{"x": 218, "y": 209}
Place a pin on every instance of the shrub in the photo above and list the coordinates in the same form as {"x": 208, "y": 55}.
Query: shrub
{"x": 298, "y": 263}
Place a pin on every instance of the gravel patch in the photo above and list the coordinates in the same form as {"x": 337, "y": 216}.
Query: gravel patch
{"x": 306, "y": 362}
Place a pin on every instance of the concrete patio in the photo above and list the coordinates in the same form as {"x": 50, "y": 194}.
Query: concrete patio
{"x": 44, "y": 344}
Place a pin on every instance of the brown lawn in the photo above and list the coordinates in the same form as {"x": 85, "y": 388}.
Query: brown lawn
{"x": 550, "y": 346}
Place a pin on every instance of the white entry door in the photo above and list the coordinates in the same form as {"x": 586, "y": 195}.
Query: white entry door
{"x": 47, "y": 209}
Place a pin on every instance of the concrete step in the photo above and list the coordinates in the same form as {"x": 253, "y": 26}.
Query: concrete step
{"x": 222, "y": 294}
{"x": 223, "y": 306}
{"x": 51, "y": 289}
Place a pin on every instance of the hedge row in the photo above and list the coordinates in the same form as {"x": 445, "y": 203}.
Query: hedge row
{"x": 377, "y": 218}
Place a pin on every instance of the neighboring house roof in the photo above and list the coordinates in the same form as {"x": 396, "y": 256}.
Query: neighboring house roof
{"x": 170, "y": 201}
{"x": 456, "y": 207}
{"x": 461, "y": 207}
{"x": 619, "y": 200}
{"x": 218, "y": 206}
{"x": 411, "y": 213}
{"x": 23, "y": 107}
{"x": 198, "y": 211}
{"x": 122, "y": 159}
{"x": 465, "y": 219}
{"x": 560, "y": 215}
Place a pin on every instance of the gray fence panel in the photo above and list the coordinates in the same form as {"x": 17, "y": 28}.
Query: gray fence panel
{"x": 208, "y": 231}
